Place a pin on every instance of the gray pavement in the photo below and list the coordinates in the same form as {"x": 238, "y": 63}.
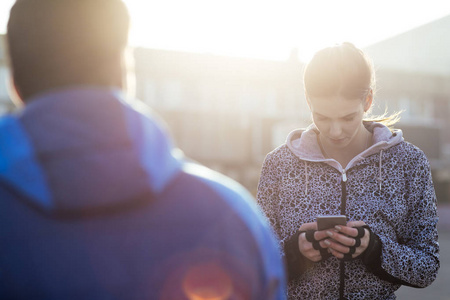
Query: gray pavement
{"x": 440, "y": 288}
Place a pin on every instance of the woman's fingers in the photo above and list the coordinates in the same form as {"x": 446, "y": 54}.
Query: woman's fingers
{"x": 311, "y": 243}
{"x": 346, "y": 239}
{"x": 339, "y": 241}
{"x": 355, "y": 223}
{"x": 343, "y": 239}
{"x": 351, "y": 228}
{"x": 323, "y": 234}
{"x": 306, "y": 248}
{"x": 333, "y": 245}
{"x": 308, "y": 226}
{"x": 336, "y": 253}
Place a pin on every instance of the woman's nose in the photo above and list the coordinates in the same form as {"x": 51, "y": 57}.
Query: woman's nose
{"x": 335, "y": 130}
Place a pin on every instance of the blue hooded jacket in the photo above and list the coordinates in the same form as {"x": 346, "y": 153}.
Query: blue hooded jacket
{"x": 95, "y": 203}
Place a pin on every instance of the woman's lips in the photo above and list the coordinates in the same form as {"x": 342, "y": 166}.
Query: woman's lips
{"x": 337, "y": 141}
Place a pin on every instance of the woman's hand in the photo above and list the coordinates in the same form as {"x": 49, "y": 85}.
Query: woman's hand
{"x": 306, "y": 247}
{"x": 343, "y": 240}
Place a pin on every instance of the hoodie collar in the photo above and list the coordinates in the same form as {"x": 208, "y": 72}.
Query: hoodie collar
{"x": 303, "y": 143}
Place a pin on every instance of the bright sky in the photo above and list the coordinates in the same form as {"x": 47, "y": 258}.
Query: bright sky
{"x": 269, "y": 29}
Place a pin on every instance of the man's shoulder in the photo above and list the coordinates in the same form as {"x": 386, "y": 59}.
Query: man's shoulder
{"x": 226, "y": 188}
{"x": 227, "y": 193}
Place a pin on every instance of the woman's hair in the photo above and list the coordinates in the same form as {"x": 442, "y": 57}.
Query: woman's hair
{"x": 343, "y": 70}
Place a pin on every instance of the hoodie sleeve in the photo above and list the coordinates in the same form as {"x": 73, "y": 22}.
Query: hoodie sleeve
{"x": 267, "y": 194}
{"x": 267, "y": 199}
{"x": 413, "y": 260}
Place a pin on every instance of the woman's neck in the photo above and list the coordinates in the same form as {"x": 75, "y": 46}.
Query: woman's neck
{"x": 345, "y": 155}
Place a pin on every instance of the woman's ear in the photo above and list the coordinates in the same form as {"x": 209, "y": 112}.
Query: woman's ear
{"x": 368, "y": 101}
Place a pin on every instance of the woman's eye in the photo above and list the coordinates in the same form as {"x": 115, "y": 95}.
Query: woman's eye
{"x": 349, "y": 119}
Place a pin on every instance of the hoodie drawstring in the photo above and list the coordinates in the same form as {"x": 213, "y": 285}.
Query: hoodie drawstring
{"x": 306, "y": 174}
{"x": 379, "y": 169}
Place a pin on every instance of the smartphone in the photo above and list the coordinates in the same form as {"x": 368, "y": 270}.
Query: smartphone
{"x": 327, "y": 222}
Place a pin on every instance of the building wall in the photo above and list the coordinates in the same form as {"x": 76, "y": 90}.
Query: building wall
{"x": 228, "y": 113}
{"x": 420, "y": 50}
{"x": 424, "y": 100}
{"x": 5, "y": 102}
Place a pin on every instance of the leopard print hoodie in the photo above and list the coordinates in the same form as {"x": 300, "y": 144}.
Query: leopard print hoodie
{"x": 388, "y": 186}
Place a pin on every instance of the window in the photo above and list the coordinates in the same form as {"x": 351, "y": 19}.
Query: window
{"x": 171, "y": 93}
{"x": 416, "y": 109}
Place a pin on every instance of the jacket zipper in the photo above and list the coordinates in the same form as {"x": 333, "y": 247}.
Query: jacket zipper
{"x": 343, "y": 209}
{"x": 344, "y": 176}
{"x": 343, "y": 192}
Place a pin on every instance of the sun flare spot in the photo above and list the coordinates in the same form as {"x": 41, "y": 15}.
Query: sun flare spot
{"x": 207, "y": 281}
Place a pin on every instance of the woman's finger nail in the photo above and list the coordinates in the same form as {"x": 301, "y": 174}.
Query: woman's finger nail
{"x": 338, "y": 227}
{"x": 330, "y": 233}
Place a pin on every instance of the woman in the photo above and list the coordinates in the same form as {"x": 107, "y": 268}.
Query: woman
{"x": 343, "y": 164}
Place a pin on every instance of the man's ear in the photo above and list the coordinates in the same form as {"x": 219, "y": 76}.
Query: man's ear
{"x": 14, "y": 92}
{"x": 368, "y": 101}
{"x": 128, "y": 75}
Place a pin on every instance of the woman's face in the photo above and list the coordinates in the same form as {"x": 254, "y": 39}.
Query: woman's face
{"x": 338, "y": 120}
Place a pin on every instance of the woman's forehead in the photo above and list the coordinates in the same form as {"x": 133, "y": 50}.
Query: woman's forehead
{"x": 335, "y": 107}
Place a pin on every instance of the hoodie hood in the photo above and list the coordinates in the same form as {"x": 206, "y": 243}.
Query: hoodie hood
{"x": 84, "y": 149}
{"x": 303, "y": 143}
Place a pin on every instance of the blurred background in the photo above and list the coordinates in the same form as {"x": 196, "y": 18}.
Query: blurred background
{"x": 227, "y": 78}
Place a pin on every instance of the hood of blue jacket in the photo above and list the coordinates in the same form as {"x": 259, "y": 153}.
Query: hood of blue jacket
{"x": 84, "y": 149}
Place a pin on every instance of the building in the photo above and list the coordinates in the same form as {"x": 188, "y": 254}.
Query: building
{"x": 228, "y": 113}
{"x": 414, "y": 76}
{"x": 422, "y": 50}
{"x": 5, "y": 102}
{"x": 224, "y": 112}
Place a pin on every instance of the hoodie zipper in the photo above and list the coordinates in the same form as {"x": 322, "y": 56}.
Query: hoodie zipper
{"x": 343, "y": 192}
{"x": 343, "y": 209}
{"x": 344, "y": 176}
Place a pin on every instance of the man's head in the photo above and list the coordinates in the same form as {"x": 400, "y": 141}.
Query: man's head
{"x": 59, "y": 43}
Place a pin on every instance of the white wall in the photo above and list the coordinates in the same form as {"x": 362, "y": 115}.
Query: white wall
{"x": 423, "y": 50}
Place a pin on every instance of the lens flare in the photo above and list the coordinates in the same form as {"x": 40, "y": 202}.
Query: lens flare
{"x": 207, "y": 281}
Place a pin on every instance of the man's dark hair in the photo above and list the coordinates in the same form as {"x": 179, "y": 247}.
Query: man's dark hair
{"x": 60, "y": 43}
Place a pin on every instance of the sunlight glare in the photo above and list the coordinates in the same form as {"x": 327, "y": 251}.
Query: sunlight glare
{"x": 207, "y": 281}
{"x": 269, "y": 29}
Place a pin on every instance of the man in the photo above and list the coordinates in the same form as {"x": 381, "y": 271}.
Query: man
{"x": 95, "y": 202}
